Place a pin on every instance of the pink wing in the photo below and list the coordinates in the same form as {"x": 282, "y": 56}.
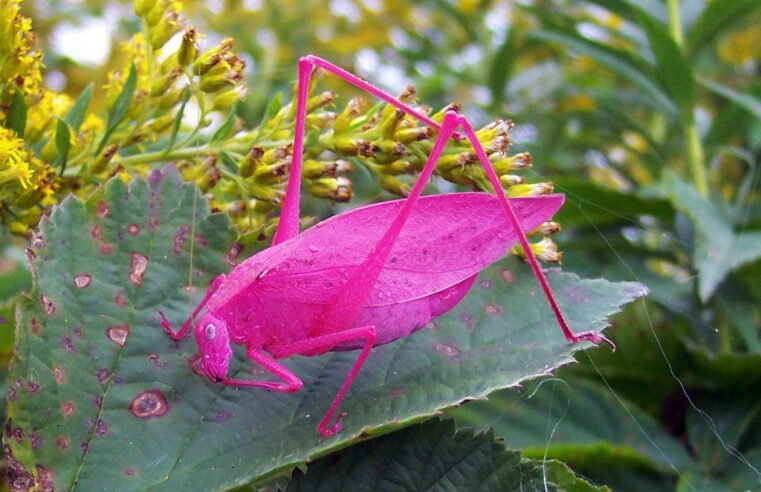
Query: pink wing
{"x": 447, "y": 239}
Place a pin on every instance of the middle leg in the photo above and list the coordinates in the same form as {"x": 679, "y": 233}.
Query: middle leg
{"x": 324, "y": 343}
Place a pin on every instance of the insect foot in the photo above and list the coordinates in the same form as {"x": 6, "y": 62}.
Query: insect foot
{"x": 593, "y": 337}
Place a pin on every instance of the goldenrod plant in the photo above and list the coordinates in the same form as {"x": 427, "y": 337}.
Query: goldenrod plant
{"x": 56, "y": 145}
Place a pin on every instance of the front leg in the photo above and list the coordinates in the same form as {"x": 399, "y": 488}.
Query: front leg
{"x": 178, "y": 335}
{"x": 291, "y": 383}
{"x": 317, "y": 345}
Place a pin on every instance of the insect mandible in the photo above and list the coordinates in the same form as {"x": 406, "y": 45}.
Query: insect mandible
{"x": 365, "y": 277}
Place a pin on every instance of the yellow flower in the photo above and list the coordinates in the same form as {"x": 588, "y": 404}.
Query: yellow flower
{"x": 13, "y": 164}
{"x": 19, "y": 62}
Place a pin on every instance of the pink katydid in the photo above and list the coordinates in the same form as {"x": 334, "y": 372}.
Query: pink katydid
{"x": 364, "y": 277}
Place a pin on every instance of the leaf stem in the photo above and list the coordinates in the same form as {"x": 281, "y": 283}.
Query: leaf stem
{"x": 695, "y": 155}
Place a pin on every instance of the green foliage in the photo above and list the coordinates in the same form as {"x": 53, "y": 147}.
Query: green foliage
{"x": 432, "y": 456}
{"x": 92, "y": 356}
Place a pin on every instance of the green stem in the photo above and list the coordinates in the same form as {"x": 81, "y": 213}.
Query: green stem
{"x": 675, "y": 22}
{"x": 695, "y": 155}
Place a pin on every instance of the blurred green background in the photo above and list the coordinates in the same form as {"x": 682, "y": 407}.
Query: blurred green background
{"x": 646, "y": 114}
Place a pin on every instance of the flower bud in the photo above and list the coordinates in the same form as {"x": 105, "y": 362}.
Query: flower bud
{"x": 398, "y": 167}
{"x": 391, "y": 148}
{"x": 389, "y": 125}
{"x": 344, "y": 119}
{"x": 394, "y": 185}
{"x": 439, "y": 117}
{"x": 530, "y": 189}
{"x": 321, "y": 120}
{"x": 353, "y": 146}
{"x": 547, "y": 229}
{"x": 512, "y": 163}
{"x": 165, "y": 29}
{"x": 253, "y": 159}
{"x": 161, "y": 85}
{"x": 100, "y": 163}
{"x": 337, "y": 189}
{"x": 320, "y": 100}
{"x": 188, "y": 50}
{"x": 545, "y": 250}
{"x": 142, "y": 7}
{"x": 409, "y": 135}
{"x": 508, "y": 180}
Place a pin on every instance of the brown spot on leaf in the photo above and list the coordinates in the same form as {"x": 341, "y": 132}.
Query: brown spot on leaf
{"x": 492, "y": 309}
{"x": 153, "y": 222}
{"x": 32, "y": 387}
{"x": 47, "y": 479}
{"x": 36, "y": 440}
{"x": 194, "y": 362}
{"x": 202, "y": 241}
{"x": 468, "y": 319}
{"x": 507, "y": 275}
{"x": 18, "y": 476}
{"x": 62, "y": 443}
{"x": 102, "y": 209}
{"x": 47, "y": 304}
{"x": 68, "y": 408}
{"x": 179, "y": 239}
{"x": 129, "y": 472}
{"x": 233, "y": 253}
{"x": 18, "y": 435}
{"x": 101, "y": 429}
{"x": 97, "y": 232}
{"x": 59, "y": 374}
{"x": 149, "y": 404}
{"x": 106, "y": 249}
{"x": 139, "y": 265}
{"x": 82, "y": 280}
{"x": 486, "y": 284}
{"x": 30, "y": 254}
{"x": 450, "y": 351}
{"x": 103, "y": 375}
{"x": 395, "y": 392}
{"x": 118, "y": 334}
{"x": 68, "y": 344}
{"x": 38, "y": 241}
{"x": 156, "y": 359}
{"x": 84, "y": 447}
{"x": 119, "y": 301}
{"x": 133, "y": 229}
{"x": 35, "y": 326}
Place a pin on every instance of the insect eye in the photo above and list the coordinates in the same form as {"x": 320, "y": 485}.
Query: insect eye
{"x": 211, "y": 331}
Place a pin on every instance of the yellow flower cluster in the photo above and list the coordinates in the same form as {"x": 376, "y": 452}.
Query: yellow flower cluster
{"x": 242, "y": 171}
{"x": 19, "y": 61}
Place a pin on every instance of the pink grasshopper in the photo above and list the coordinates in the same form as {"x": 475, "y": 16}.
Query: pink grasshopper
{"x": 367, "y": 276}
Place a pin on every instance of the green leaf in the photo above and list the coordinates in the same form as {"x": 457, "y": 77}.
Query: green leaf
{"x": 733, "y": 457}
{"x": 718, "y": 250}
{"x": 16, "y": 119}
{"x": 275, "y": 104}
{"x": 589, "y": 204}
{"x": 76, "y": 114}
{"x": 718, "y": 15}
{"x": 747, "y": 101}
{"x": 120, "y": 108}
{"x": 672, "y": 67}
{"x": 619, "y": 62}
{"x": 580, "y": 422}
{"x": 62, "y": 143}
{"x": 217, "y": 437}
{"x": 178, "y": 118}
{"x": 501, "y": 67}
{"x": 226, "y": 128}
{"x": 432, "y": 456}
